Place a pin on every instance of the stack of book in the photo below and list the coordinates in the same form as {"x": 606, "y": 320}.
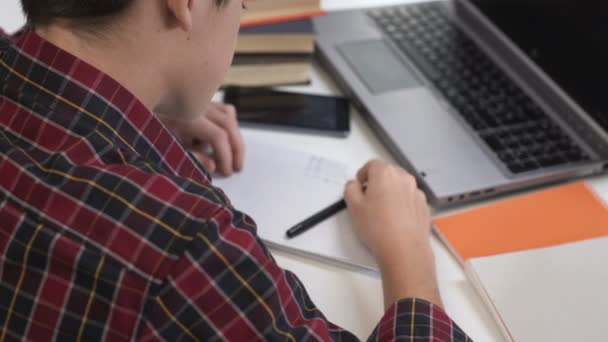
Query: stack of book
{"x": 275, "y": 44}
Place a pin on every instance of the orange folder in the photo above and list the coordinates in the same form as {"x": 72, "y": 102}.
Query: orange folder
{"x": 563, "y": 214}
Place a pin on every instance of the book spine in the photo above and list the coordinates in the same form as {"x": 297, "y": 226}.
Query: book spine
{"x": 304, "y": 27}
{"x": 281, "y": 19}
{"x": 272, "y": 58}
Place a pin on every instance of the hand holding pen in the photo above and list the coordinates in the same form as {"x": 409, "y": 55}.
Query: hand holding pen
{"x": 383, "y": 196}
{"x": 390, "y": 215}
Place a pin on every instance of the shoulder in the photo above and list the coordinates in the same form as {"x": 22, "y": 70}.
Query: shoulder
{"x": 121, "y": 204}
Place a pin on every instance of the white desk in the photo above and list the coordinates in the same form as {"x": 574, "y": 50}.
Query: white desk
{"x": 350, "y": 299}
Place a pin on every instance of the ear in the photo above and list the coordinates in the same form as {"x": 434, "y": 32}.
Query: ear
{"x": 181, "y": 10}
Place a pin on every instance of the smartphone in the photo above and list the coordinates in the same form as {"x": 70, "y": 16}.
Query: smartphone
{"x": 265, "y": 107}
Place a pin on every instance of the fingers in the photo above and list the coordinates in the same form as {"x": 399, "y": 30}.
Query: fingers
{"x": 218, "y": 128}
{"x": 224, "y": 116}
{"x": 370, "y": 168}
{"x": 218, "y": 138}
{"x": 377, "y": 170}
{"x": 204, "y": 159}
{"x": 422, "y": 196}
{"x": 353, "y": 193}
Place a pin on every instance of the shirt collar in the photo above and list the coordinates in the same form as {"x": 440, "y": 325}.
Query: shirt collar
{"x": 57, "y": 79}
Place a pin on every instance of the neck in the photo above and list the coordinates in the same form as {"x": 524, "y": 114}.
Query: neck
{"x": 128, "y": 60}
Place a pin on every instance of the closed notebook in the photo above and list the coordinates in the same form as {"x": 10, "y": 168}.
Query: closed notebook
{"x": 562, "y": 214}
{"x": 539, "y": 262}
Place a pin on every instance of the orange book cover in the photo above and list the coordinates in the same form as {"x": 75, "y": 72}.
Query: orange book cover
{"x": 283, "y": 18}
{"x": 555, "y": 216}
{"x": 262, "y": 12}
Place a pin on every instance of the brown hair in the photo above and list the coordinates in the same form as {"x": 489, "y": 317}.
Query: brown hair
{"x": 41, "y": 12}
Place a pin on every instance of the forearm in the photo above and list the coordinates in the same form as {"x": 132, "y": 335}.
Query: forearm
{"x": 409, "y": 272}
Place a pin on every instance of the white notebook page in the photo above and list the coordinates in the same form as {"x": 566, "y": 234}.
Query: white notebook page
{"x": 551, "y": 294}
{"x": 281, "y": 187}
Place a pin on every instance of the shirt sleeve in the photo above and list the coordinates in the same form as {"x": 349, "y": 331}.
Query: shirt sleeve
{"x": 227, "y": 285}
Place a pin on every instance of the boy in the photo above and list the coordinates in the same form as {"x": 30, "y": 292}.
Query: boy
{"x": 110, "y": 229}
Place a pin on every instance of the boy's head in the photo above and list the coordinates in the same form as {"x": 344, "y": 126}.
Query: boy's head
{"x": 188, "y": 43}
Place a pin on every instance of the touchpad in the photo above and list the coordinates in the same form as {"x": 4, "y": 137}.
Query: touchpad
{"x": 377, "y": 66}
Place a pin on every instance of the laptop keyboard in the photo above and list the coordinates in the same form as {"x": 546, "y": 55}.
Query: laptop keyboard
{"x": 517, "y": 130}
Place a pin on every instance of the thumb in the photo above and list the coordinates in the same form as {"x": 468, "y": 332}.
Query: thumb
{"x": 353, "y": 193}
{"x": 204, "y": 159}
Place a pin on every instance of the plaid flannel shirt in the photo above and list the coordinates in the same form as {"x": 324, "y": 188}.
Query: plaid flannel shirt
{"x": 110, "y": 230}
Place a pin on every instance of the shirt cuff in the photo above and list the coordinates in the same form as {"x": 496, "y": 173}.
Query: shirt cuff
{"x": 418, "y": 319}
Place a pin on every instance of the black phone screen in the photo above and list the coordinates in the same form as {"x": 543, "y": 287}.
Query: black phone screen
{"x": 326, "y": 114}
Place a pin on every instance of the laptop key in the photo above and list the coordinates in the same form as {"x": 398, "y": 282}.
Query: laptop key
{"x": 429, "y": 70}
{"x": 529, "y": 165}
{"x": 506, "y": 156}
{"x": 549, "y": 161}
{"x": 516, "y": 167}
{"x": 575, "y": 154}
{"x": 494, "y": 143}
{"x": 523, "y": 166}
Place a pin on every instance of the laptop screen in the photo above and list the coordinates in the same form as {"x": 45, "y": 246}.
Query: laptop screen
{"x": 568, "y": 39}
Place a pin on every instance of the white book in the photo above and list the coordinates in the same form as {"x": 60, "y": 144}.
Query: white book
{"x": 553, "y": 294}
{"x": 281, "y": 187}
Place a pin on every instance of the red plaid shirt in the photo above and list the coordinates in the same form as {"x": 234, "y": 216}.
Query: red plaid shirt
{"x": 110, "y": 230}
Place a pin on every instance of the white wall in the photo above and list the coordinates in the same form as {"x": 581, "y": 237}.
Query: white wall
{"x": 11, "y": 17}
{"x": 342, "y": 4}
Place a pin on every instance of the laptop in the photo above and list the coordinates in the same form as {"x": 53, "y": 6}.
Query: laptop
{"x": 478, "y": 97}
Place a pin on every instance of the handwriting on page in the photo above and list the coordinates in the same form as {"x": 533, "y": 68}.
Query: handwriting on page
{"x": 325, "y": 170}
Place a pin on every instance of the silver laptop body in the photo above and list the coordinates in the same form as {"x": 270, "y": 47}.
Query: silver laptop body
{"x": 422, "y": 128}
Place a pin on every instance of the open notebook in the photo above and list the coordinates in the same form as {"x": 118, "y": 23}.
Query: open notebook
{"x": 280, "y": 187}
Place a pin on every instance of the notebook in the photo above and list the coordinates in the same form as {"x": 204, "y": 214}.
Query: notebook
{"x": 549, "y": 294}
{"x": 539, "y": 262}
{"x": 558, "y": 215}
{"x": 280, "y": 187}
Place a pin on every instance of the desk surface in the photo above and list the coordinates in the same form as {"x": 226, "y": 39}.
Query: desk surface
{"x": 351, "y": 299}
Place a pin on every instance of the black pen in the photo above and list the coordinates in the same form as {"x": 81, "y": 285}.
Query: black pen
{"x": 315, "y": 219}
